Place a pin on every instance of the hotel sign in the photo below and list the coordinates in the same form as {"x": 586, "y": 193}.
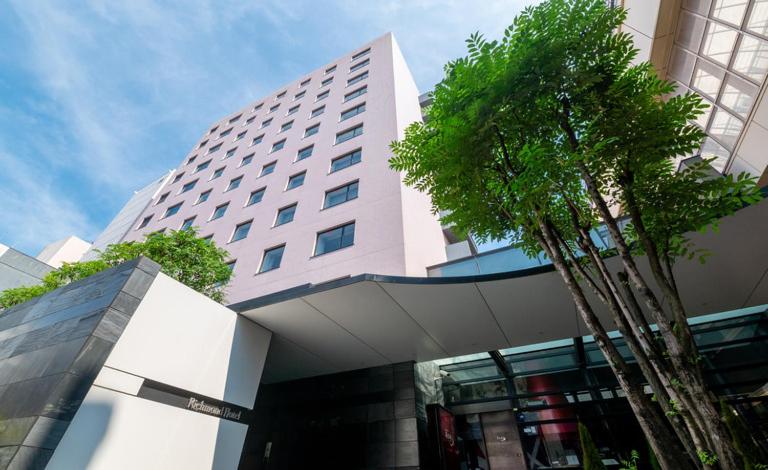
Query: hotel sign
{"x": 180, "y": 398}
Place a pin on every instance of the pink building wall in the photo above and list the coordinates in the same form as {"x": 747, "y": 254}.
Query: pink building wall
{"x": 395, "y": 231}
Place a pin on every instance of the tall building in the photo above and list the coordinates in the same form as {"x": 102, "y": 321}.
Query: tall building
{"x": 297, "y": 187}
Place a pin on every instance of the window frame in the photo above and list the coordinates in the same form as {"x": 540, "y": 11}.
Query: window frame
{"x": 232, "y": 238}
{"x": 216, "y": 209}
{"x": 294, "y": 205}
{"x": 266, "y": 252}
{"x": 342, "y": 226}
{"x": 302, "y": 174}
{"x": 347, "y": 186}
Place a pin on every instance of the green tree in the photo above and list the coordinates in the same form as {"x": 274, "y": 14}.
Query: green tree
{"x": 541, "y": 136}
{"x": 198, "y": 263}
{"x": 591, "y": 459}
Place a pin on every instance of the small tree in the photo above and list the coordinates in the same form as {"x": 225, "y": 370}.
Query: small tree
{"x": 540, "y": 135}
{"x": 181, "y": 254}
{"x": 589, "y": 454}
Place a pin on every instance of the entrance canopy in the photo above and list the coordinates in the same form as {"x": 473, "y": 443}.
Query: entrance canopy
{"x": 369, "y": 320}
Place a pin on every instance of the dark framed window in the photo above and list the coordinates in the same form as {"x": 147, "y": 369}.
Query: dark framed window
{"x": 213, "y": 129}
{"x": 230, "y": 152}
{"x": 267, "y": 169}
{"x": 335, "y": 239}
{"x": 299, "y": 95}
{"x": 163, "y": 197}
{"x": 177, "y": 177}
{"x": 225, "y": 133}
{"x": 286, "y": 126}
{"x": 278, "y": 145}
{"x": 312, "y": 130}
{"x": 202, "y": 166}
{"x": 257, "y": 107}
{"x": 241, "y": 231}
{"x": 306, "y": 152}
{"x": 144, "y": 222}
{"x": 188, "y": 187}
{"x": 217, "y": 173}
{"x": 323, "y": 95}
{"x": 330, "y": 69}
{"x": 305, "y": 82}
{"x": 362, "y": 53}
{"x": 280, "y": 95}
{"x": 348, "y": 134}
{"x": 346, "y": 160}
{"x": 236, "y": 118}
{"x": 352, "y": 112}
{"x": 317, "y": 111}
{"x": 240, "y": 135}
{"x": 340, "y": 195}
{"x": 219, "y": 211}
{"x": 191, "y": 159}
{"x": 187, "y": 223}
{"x": 257, "y": 140}
{"x": 203, "y": 196}
{"x": 173, "y": 209}
{"x": 234, "y": 183}
{"x": 247, "y": 159}
{"x": 266, "y": 123}
{"x": 285, "y": 215}
{"x": 293, "y": 110}
{"x": 202, "y": 144}
{"x": 326, "y": 82}
{"x": 214, "y": 148}
{"x": 271, "y": 259}
{"x": 357, "y": 78}
{"x": 274, "y": 108}
{"x": 354, "y": 94}
{"x": 256, "y": 196}
{"x": 359, "y": 65}
{"x": 249, "y": 120}
{"x": 295, "y": 181}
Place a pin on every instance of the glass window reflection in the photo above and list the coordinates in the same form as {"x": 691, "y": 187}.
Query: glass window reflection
{"x": 752, "y": 58}
{"x": 718, "y": 42}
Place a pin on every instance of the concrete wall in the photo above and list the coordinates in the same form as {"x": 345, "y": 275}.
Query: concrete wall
{"x": 68, "y": 250}
{"x": 18, "y": 269}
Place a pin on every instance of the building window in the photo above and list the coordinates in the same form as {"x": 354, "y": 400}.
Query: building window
{"x": 344, "y": 136}
{"x": 306, "y": 152}
{"x": 330, "y": 69}
{"x": 213, "y": 129}
{"x": 280, "y": 95}
{"x": 278, "y": 145}
{"x": 266, "y": 123}
{"x": 187, "y": 223}
{"x": 267, "y": 169}
{"x": 326, "y": 82}
{"x": 172, "y": 210}
{"x": 144, "y": 222}
{"x": 235, "y": 119}
{"x": 202, "y": 144}
{"x": 295, "y": 181}
{"x": 317, "y": 111}
{"x": 191, "y": 159}
{"x": 352, "y": 112}
{"x": 177, "y": 177}
{"x": 257, "y": 139}
{"x": 272, "y": 258}
{"x": 323, "y": 95}
{"x": 203, "y": 196}
{"x": 346, "y": 160}
{"x": 286, "y": 126}
{"x": 293, "y": 110}
{"x": 230, "y": 153}
{"x": 234, "y": 183}
{"x": 357, "y": 79}
{"x": 285, "y": 215}
{"x": 359, "y": 65}
{"x": 241, "y": 231}
{"x": 299, "y": 95}
{"x": 217, "y": 173}
{"x": 354, "y": 94}
{"x": 257, "y": 107}
{"x": 219, "y": 211}
{"x": 231, "y": 265}
{"x": 305, "y": 82}
{"x": 240, "y": 135}
{"x": 187, "y": 187}
{"x": 274, "y": 108}
{"x": 256, "y": 196}
{"x": 340, "y": 195}
{"x": 335, "y": 239}
{"x": 249, "y": 120}
{"x": 208, "y": 238}
{"x": 214, "y": 148}
{"x": 163, "y": 197}
{"x": 361, "y": 54}
{"x": 225, "y": 133}
{"x": 202, "y": 166}
{"x": 246, "y": 159}
{"x": 312, "y": 130}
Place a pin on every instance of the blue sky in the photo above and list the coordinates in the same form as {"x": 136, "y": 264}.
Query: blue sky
{"x": 99, "y": 97}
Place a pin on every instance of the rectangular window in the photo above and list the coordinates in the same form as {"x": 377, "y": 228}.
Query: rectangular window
{"x": 230, "y": 153}
{"x": 285, "y": 215}
{"x": 317, "y": 111}
{"x": 213, "y": 129}
{"x": 344, "y": 136}
{"x": 217, "y": 173}
{"x": 235, "y": 119}
{"x": 286, "y": 126}
{"x": 187, "y": 223}
{"x": 326, "y": 82}
{"x": 272, "y": 258}
{"x": 225, "y": 133}
{"x": 163, "y": 197}
{"x": 312, "y": 130}
{"x": 352, "y": 112}
{"x": 305, "y": 82}
{"x": 208, "y": 238}
{"x": 202, "y": 144}
{"x": 278, "y": 145}
{"x": 257, "y": 139}
{"x": 231, "y": 265}
{"x": 340, "y": 195}
{"x": 357, "y": 78}
{"x": 299, "y": 95}
{"x": 257, "y": 107}
{"x": 240, "y": 135}
{"x": 234, "y": 183}
{"x": 188, "y": 186}
{"x": 274, "y": 108}
{"x": 293, "y": 110}
{"x": 246, "y": 159}
{"x": 359, "y": 65}
{"x": 323, "y": 95}
{"x": 219, "y": 211}
{"x": 249, "y": 120}
{"x": 268, "y": 168}
{"x": 354, "y": 94}
{"x": 280, "y": 95}
{"x": 214, "y": 148}
{"x": 295, "y": 181}
{"x": 177, "y": 177}
{"x": 173, "y": 209}
{"x": 335, "y": 239}
{"x": 241, "y": 231}
{"x": 361, "y": 54}
{"x": 144, "y": 222}
{"x": 203, "y": 196}
{"x": 191, "y": 159}
{"x": 346, "y": 160}
{"x": 256, "y": 196}
{"x": 266, "y": 123}
{"x": 330, "y": 69}
{"x": 306, "y": 152}
{"x": 202, "y": 166}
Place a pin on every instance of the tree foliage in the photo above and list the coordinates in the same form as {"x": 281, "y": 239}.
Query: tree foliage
{"x": 198, "y": 263}
{"x": 590, "y": 455}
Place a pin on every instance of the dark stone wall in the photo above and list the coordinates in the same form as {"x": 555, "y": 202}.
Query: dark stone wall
{"x": 364, "y": 419}
{"x": 52, "y": 348}
{"x": 18, "y": 269}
